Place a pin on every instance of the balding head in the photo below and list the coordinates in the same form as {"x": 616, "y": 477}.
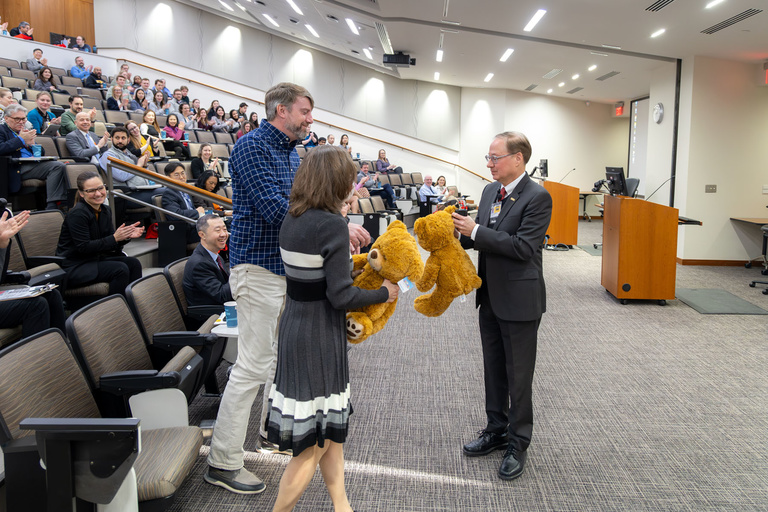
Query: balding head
{"x": 83, "y": 121}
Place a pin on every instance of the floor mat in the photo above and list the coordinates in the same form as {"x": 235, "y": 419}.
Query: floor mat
{"x": 713, "y": 301}
{"x": 591, "y": 249}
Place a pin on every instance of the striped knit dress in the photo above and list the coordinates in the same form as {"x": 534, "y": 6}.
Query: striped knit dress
{"x": 310, "y": 397}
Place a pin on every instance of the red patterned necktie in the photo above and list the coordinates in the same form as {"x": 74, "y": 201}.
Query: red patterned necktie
{"x": 503, "y": 193}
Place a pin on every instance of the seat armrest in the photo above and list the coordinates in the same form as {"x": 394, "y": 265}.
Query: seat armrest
{"x": 205, "y": 311}
{"x": 178, "y": 339}
{"x": 36, "y": 261}
{"x": 132, "y": 382}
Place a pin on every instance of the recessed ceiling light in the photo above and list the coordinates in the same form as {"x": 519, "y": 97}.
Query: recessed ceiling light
{"x": 295, "y": 7}
{"x": 575, "y": 77}
{"x": 437, "y": 75}
{"x": 506, "y": 55}
{"x": 488, "y": 77}
{"x": 225, "y": 4}
{"x": 549, "y": 91}
{"x": 448, "y": 22}
{"x": 599, "y": 54}
{"x": 658, "y": 32}
{"x": 269, "y": 18}
{"x": 713, "y": 3}
{"x": 241, "y": 7}
{"x": 536, "y": 18}
{"x": 352, "y": 26}
{"x": 439, "y": 56}
{"x": 612, "y": 47}
{"x": 561, "y": 84}
{"x": 367, "y": 53}
{"x": 592, "y": 67}
{"x": 312, "y": 31}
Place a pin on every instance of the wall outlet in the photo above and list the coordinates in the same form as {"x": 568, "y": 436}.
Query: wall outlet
{"x": 765, "y": 189}
{"x": 710, "y": 189}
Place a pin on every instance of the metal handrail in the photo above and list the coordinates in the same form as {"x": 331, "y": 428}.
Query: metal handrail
{"x": 157, "y": 178}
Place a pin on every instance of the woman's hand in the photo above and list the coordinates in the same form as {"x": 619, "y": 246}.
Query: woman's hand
{"x": 393, "y": 290}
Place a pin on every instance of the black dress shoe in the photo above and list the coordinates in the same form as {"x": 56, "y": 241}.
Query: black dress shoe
{"x": 486, "y": 443}
{"x": 512, "y": 464}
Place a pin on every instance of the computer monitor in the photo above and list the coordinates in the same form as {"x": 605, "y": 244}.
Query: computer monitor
{"x": 615, "y": 181}
{"x": 543, "y": 168}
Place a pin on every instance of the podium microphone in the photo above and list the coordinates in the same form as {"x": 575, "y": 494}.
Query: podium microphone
{"x": 566, "y": 175}
{"x": 665, "y": 182}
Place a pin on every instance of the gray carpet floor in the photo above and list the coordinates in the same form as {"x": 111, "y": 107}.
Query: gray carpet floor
{"x": 637, "y": 407}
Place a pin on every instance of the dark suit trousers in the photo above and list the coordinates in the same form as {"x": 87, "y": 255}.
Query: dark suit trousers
{"x": 509, "y": 359}
{"x": 118, "y": 271}
{"x": 36, "y": 314}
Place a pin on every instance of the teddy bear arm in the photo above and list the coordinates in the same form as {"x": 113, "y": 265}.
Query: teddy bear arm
{"x": 429, "y": 277}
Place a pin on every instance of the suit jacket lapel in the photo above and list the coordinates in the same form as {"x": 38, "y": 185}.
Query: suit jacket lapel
{"x": 511, "y": 200}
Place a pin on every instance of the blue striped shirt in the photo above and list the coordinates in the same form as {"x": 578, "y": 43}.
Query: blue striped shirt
{"x": 263, "y": 164}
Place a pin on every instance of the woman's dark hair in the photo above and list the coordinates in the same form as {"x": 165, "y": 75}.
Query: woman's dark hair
{"x": 200, "y": 183}
{"x": 40, "y": 75}
{"x": 323, "y": 181}
{"x": 342, "y": 138}
{"x": 233, "y": 114}
{"x": 223, "y": 115}
{"x": 254, "y": 122}
{"x": 81, "y": 179}
{"x": 136, "y": 95}
{"x": 169, "y": 118}
{"x": 168, "y": 169}
{"x": 162, "y": 102}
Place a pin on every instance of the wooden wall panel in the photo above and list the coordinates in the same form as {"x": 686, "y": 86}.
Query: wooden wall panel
{"x": 14, "y": 12}
{"x": 71, "y": 17}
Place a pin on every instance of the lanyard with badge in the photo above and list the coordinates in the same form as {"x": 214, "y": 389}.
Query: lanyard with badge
{"x": 496, "y": 207}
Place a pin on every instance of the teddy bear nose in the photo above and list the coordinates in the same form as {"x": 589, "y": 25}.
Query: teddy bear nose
{"x": 374, "y": 255}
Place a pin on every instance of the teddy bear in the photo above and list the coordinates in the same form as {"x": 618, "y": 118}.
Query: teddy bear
{"x": 394, "y": 255}
{"x": 448, "y": 264}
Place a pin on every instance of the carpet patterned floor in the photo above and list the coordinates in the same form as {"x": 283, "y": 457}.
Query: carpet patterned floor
{"x": 638, "y": 407}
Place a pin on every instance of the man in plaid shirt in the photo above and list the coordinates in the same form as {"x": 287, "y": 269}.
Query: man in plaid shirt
{"x": 262, "y": 165}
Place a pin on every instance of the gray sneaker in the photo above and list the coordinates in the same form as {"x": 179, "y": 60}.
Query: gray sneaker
{"x": 240, "y": 481}
{"x": 265, "y": 446}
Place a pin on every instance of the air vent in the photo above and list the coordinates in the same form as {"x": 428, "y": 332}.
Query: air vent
{"x": 332, "y": 18}
{"x": 355, "y": 52}
{"x": 607, "y": 75}
{"x": 657, "y": 6}
{"x": 553, "y": 73}
{"x": 577, "y": 89}
{"x": 731, "y": 21}
{"x": 386, "y": 44}
{"x": 531, "y": 87}
{"x": 261, "y": 3}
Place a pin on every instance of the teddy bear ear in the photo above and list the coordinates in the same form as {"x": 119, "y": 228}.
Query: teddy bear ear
{"x": 450, "y": 209}
{"x": 397, "y": 225}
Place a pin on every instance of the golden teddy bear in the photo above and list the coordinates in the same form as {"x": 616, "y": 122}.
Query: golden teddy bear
{"x": 394, "y": 255}
{"x": 448, "y": 264}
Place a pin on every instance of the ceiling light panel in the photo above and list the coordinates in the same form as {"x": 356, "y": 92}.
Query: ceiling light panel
{"x": 507, "y": 54}
{"x": 271, "y": 20}
{"x": 295, "y": 7}
{"x": 488, "y": 77}
{"x": 439, "y": 56}
{"x": 658, "y": 32}
{"x": 536, "y": 18}
{"x": 553, "y": 73}
{"x": 312, "y": 31}
{"x": 352, "y": 26}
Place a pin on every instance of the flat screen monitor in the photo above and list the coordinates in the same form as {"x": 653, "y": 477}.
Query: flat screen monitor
{"x": 543, "y": 168}
{"x": 615, "y": 181}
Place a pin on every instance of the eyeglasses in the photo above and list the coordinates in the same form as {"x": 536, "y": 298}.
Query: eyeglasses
{"x": 17, "y": 119}
{"x": 94, "y": 190}
{"x": 496, "y": 159}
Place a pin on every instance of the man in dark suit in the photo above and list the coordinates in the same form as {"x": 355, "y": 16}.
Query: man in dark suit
{"x": 180, "y": 202}
{"x": 84, "y": 145}
{"x": 512, "y": 219}
{"x": 206, "y": 276}
{"x": 17, "y": 142}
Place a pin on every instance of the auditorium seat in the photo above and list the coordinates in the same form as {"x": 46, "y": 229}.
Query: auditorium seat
{"x": 4, "y": 71}
{"x": 174, "y": 273}
{"x": 71, "y": 89}
{"x": 204, "y": 136}
{"x": 160, "y": 319}
{"x": 61, "y": 391}
{"x": 58, "y": 71}
{"x": 220, "y": 151}
{"x": 61, "y": 100}
{"x": 24, "y": 73}
{"x": 222, "y": 137}
{"x": 9, "y": 63}
{"x": 417, "y": 179}
{"x": 14, "y": 84}
{"x": 116, "y": 117}
{"x": 89, "y": 103}
{"x": 61, "y": 144}
{"x": 71, "y": 80}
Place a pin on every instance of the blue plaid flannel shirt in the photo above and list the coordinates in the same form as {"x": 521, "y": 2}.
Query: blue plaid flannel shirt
{"x": 263, "y": 164}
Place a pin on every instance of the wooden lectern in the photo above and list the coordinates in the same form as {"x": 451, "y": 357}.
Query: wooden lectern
{"x": 564, "y": 226}
{"x": 639, "y": 249}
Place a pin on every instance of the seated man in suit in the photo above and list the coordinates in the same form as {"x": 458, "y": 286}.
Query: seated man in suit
{"x": 83, "y": 144}
{"x": 428, "y": 190}
{"x": 68, "y": 118}
{"x": 16, "y": 142}
{"x": 206, "y": 276}
{"x": 36, "y": 63}
{"x": 181, "y": 202}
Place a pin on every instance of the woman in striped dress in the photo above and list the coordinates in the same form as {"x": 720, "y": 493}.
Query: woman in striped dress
{"x": 309, "y": 400}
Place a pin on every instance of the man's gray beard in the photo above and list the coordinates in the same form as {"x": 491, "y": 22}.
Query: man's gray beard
{"x": 299, "y": 131}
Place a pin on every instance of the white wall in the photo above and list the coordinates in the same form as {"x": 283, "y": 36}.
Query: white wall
{"x": 723, "y": 131}
{"x": 658, "y": 158}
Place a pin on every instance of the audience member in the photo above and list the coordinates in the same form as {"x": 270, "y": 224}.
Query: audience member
{"x": 119, "y": 83}
{"x": 160, "y": 86}
{"x": 80, "y": 70}
{"x": 202, "y": 120}
{"x": 23, "y": 31}
{"x": 383, "y": 165}
{"x": 176, "y": 133}
{"x": 16, "y": 141}
{"x": 247, "y": 127}
{"x": 174, "y": 103}
{"x": 68, "y": 123}
{"x": 195, "y": 106}
{"x": 314, "y": 246}
{"x": 234, "y": 120}
{"x": 428, "y": 190}
{"x": 212, "y": 108}
{"x": 139, "y": 103}
{"x": 80, "y": 44}
{"x": 375, "y": 187}
{"x": 321, "y": 141}
{"x": 84, "y": 145}
{"x": 184, "y": 94}
{"x": 310, "y": 141}
{"x": 136, "y": 83}
{"x": 254, "y": 119}
{"x": 344, "y": 143}
{"x": 242, "y": 111}
{"x": 45, "y": 80}
{"x": 138, "y": 145}
{"x": 90, "y": 246}
{"x": 179, "y": 202}
{"x": 124, "y": 71}
{"x": 125, "y": 179}
{"x": 219, "y": 122}
{"x": 35, "y": 314}
{"x": 94, "y": 80}
{"x": 331, "y": 139}
{"x": 210, "y": 182}
{"x": 36, "y": 63}
{"x": 145, "y": 87}
{"x": 206, "y": 275}
{"x": 187, "y": 118}
{"x": 159, "y": 104}
{"x": 4, "y": 29}
{"x": 205, "y": 162}
{"x": 6, "y": 98}
{"x": 117, "y": 101}
{"x": 441, "y": 186}
{"x": 149, "y": 125}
